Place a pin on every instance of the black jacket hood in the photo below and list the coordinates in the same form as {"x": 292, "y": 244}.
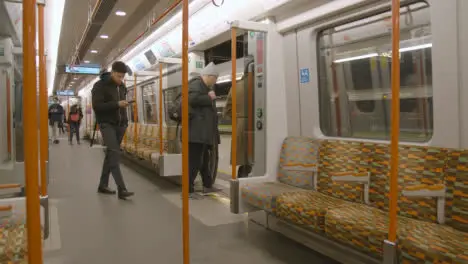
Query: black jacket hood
{"x": 105, "y": 76}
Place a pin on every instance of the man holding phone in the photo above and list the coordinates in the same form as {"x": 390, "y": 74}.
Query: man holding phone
{"x": 110, "y": 107}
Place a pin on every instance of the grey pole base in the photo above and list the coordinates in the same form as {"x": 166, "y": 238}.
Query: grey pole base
{"x": 44, "y": 200}
{"x": 234, "y": 195}
{"x": 390, "y": 252}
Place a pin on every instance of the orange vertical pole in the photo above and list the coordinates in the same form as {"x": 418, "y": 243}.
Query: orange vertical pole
{"x": 234, "y": 104}
{"x": 33, "y": 221}
{"x": 135, "y": 114}
{"x": 395, "y": 120}
{"x": 161, "y": 145}
{"x": 8, "y": 95}
{"x": 185, "y": 135}
{"x": 43, "y": 105}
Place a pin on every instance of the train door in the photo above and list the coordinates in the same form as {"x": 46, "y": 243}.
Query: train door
{"x": 250, "y": 127}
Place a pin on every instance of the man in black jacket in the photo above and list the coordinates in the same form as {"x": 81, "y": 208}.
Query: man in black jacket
{"x": 110, "y": 107}
{"x": 203, "y": 126}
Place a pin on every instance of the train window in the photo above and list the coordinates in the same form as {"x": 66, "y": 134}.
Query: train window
{"x": 130, "y": 111}
{"x": 148, "y": 95}
{"x": 170, "y": 94}
{"x": 355, "y": 76}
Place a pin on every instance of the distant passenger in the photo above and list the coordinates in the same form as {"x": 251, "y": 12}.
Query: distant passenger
{"x": 62, "y": 126}
{"x": 56, "y": 114}
{"x": 203, "y": 127}
{"x": 110, "y": 106}
{"x": 74, "y": 120}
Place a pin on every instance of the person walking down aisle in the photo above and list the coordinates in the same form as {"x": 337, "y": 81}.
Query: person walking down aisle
{"x": 56, "y": 114}
{"x": 110, "y": 106}
{"x": 74, "y": 120}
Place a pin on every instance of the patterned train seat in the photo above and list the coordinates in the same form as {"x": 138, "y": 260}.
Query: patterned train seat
{"x": 13, "y": 241}
{"x": 435, "y": 243}
{"x": 264, "y": 195}
{"x": 420, "y": 166}
{"x": 365, "y": 228}
{"x": 337, "y": 159}
{"x": 343, "y": 158}
{"x": 425, "y": 242}
{"x": 307, "y": 208}
{"x": 296, "y": 174}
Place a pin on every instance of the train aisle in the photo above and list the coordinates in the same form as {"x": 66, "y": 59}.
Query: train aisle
{"x": 96, "y": 229}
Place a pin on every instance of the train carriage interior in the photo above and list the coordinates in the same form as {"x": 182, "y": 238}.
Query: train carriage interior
{"x": 249, "y": 131}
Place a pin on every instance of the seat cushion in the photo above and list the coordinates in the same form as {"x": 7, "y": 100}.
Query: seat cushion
{"x": 306, "y": 209}
{"x": 433, "y": 243}
{"x": 13, "y": 241}
{"x": 263, "y": 194}
{"x": 360, "y": 226}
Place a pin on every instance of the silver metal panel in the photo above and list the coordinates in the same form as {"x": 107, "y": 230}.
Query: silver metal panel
{"x": 390, "y": 253}
{"x": 170, "y": 165}
{"x": 292, "y": 84}
{"x": 260, "y": 87}
{"x": 445, "y": 71}
{"x": 462, "y": 8}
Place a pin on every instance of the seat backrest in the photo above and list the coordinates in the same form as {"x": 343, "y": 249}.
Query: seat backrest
{"x": 380, "y": 167}
{"x": 338, "y": 156}
{"x": 298, "y": 160}
{"x": 456, "y": 181}
{"x": 129, "y": 131}
{"x": 419, "y": 165}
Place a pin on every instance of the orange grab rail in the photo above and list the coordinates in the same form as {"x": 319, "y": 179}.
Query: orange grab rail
{"x": 185, "y": 135}
{"x": 31, "y": 157}
{"x": 395, "y": 120}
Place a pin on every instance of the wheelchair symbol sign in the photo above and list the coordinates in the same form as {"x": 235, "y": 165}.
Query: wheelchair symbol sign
{"x": 305, "y": 75}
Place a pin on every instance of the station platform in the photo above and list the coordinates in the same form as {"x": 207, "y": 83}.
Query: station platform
{"x": 87, "y": 227}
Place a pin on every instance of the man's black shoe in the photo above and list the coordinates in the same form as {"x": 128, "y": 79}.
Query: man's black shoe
{"x": 207, "y": 190}
{"x": 123, "y": 195}
{"x": 106, "y": 190}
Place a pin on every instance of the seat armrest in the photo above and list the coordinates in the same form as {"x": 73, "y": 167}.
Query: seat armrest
{"x": 312, "y": 168}
{"x": 425, "y": 190}
{"x": 9, "y": 186}
{"x": 357, "y": 177}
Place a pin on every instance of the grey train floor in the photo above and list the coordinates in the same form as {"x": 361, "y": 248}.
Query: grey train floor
{"x": 88, "y": 228}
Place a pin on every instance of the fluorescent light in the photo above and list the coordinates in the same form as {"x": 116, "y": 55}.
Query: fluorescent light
{"x": 387, "y": 54}
{"x": 417, "y": 47}
{"x": 86, "y": 61}
{"x": 357, "y": 57}
{"x": 120, "y": 13}
{"x": 94, "y": 51}
{"x": 76, "y": 78}
{"x": 104, "y": 36}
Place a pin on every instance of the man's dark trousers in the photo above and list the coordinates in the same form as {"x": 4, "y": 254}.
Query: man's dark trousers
{"x": 112, "y": 136}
